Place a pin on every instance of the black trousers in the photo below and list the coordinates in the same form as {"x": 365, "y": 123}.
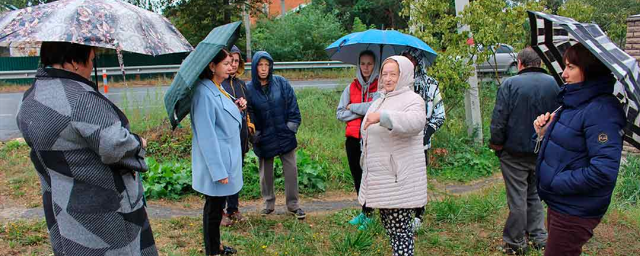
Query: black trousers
{"x": 352, "y": 145}
{"x": 232, "y": 203}
{"x": 211, "y": 218}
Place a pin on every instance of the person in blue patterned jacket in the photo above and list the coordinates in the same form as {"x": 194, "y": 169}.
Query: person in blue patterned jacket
{"x": 427, "y": 87}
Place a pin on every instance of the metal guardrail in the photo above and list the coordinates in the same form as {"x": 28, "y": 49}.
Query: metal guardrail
{"x": 162, "y": 69}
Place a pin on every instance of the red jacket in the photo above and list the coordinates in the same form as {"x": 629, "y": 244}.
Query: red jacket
{"x": 355, "y": 92}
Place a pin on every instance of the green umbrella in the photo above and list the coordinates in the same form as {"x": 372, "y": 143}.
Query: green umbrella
{"x": 177, "y": 100}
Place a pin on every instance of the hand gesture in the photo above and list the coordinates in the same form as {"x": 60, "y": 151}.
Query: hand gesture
{"x": 542, "y": 123}
{"x": 372, "y": 118}
{"x": 241, "y": 103}
{"x": 143, "y": 143}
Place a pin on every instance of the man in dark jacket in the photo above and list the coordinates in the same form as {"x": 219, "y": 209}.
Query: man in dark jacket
{"x": 275, "y": 113}
{"x": 520, "y": 99}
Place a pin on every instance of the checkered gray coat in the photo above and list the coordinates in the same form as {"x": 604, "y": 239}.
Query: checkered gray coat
{"x": 88, "y": 163}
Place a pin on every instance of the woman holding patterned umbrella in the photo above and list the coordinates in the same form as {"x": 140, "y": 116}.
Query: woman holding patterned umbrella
{"x": 88, "y": 160}
{"x": 579, "y": 158}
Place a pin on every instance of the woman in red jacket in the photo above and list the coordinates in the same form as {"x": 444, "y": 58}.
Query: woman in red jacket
{"x": 353, "y": 105}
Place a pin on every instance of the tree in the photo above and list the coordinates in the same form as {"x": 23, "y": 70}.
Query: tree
{"x": 298, "y": 36}
{"x": 195, "y": 18}
{"x": 578, "y": 10}
{"x": 384, "y": 14}
{"x": 611, "y": 16}
{"x": 24, "y": 3}
{"x": 358, "y": 26}
{"x": 490, "y": 21}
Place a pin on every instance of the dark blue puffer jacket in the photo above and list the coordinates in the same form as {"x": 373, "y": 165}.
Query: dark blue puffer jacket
{"x": 580, "y": 155}
{"x": 274, "y": 111}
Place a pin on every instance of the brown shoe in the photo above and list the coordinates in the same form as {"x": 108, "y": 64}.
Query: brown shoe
{"x": 236, "y": 216}
{"x": 226, "y": 221}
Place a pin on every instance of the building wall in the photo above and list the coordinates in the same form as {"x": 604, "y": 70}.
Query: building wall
{"x": 633, "y": 36}
{"x": 274, "y": 7}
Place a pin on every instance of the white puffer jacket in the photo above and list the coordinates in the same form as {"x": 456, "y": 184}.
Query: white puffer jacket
{"x": 393, "y": 160}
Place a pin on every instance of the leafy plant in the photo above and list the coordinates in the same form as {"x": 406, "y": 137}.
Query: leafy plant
{"x": 170, "y": 179}
{"x": 311, "y": 174}
{"x": 250, "y": 176}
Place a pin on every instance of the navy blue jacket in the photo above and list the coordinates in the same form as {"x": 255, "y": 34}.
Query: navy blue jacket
{"x": 580, "y": 155}
{"x": 237, "y": 88}
{"x": 520, "y": 99}
{"x": 274, "y": 111}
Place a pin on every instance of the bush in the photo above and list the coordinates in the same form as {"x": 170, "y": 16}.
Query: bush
{"x": 298, "y": 36}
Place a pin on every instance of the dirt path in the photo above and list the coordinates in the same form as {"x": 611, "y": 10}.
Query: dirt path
{"x": 323, "y": 204}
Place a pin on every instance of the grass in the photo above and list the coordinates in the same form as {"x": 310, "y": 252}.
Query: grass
{"x": 467, "y": 225}
{"x": 19, "y": 182}
{"x": 627, "y": 191}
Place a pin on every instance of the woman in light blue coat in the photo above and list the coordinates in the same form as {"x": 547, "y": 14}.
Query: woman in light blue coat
{"x": 216, "y": 151}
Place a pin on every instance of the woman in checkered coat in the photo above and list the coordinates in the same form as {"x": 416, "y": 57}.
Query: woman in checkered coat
{"x": 88, "y": 160}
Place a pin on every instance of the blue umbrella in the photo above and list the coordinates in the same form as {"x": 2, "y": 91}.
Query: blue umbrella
{"x": 383, "y": 43}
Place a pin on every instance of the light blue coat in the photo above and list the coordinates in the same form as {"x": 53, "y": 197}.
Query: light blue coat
{"x": 215, "y": 151}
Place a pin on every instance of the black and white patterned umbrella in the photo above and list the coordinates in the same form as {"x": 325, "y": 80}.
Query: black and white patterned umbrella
{"x": 549, "y": 41}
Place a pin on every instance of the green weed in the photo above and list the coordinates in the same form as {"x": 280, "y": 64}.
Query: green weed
{"x": 167, "y": 180}
{"x": 472, "y": 208}
{"x": 627, "y": 191}
{"x": 21, "y": 233}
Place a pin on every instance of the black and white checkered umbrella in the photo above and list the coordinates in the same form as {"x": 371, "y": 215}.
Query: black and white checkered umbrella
{"x": 551, "y": 35}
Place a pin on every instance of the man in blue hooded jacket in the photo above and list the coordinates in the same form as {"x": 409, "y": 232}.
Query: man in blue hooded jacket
{"x": 276, "y": 116}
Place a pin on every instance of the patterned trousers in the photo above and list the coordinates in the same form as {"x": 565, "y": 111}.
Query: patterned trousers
{"x": 397, "y": 223}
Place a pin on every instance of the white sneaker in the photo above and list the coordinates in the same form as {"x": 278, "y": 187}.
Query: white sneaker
{"x": 417, "y": 223}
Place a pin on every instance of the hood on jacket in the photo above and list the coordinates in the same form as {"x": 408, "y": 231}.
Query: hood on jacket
{"x": 576, "y": 94}
{"x": 254, "y": 66}
{"x": 240, "y": 71}
{"x": 405, "y": 81}
{"x": 374, "y": 74}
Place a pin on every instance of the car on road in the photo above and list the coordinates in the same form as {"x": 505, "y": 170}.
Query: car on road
{"x": 504, "y": 60}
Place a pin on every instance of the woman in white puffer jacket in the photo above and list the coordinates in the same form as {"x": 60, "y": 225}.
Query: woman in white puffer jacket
{"x": 393, "y": 162}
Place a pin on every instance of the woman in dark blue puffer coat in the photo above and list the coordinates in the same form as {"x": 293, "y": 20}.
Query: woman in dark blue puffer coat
{"x": 580, "y": 153}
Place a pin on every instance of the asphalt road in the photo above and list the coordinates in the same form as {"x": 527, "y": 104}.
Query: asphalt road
{"x": 140, "y": 97}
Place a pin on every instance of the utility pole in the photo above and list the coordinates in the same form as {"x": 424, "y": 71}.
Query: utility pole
{"x": 283, "y": 8}
{"x": 247, "y": 30}
{"x": 471, "y": 96}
